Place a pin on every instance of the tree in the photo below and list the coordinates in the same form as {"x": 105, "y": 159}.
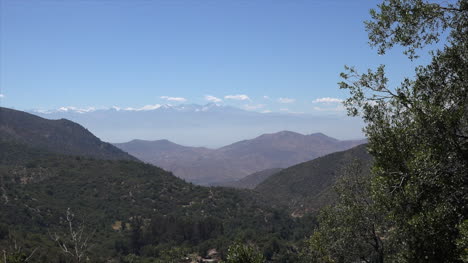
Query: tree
{"x": 418, "y": 131}
{"x": 353, "y": 229}
{"x": 240, "y": 253}
{"x": 136, "y": 235}
{"x": 14, "y": 252}
{"x": 75, "y": 243}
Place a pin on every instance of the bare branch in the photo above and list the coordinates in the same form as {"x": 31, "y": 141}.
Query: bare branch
{"x": 78, "y": 248}
{"x": 30, "y": 255}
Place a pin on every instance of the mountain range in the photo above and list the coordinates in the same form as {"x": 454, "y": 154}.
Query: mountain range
{"x": 211, "y": 125}
{"x": 51, "y": 168}
{"x": 232, "y": 162}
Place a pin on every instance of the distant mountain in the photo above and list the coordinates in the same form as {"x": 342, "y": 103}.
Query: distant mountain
{"x": 211, "y": 125}
{"x": 58, "y": 136}
{"x": 283, "y": 149}
{"x": 307, "y": 187}
{"x": 210, "y": 107}
{"x": 252, "y": 180}
{"x": 214, "y": 166}
{"x": 161, "y": 150}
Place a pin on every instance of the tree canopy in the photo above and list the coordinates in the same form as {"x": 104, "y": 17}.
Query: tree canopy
{"x": 418, "y": 131}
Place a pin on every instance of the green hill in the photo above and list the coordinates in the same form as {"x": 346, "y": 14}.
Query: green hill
{"x": 109, "y": 196}
{"x": 306, "y": 187}
{"x": 58, "y": 136}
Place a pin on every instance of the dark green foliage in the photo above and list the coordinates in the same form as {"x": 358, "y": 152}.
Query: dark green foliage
{"x": 241, "y": 253}
{"x": 134, "y": 208}
{"x": 136, "y": 235}
{"x": 17, "y": 257}
{"x": 353, "y": 228}
{"x": 418, "y": 132}
{"x": 183, "y": 229}
{"x": 462, "y": 241}
{"x": 414, "y": 23}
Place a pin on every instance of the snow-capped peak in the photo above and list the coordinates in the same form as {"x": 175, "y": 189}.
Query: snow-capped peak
{"x": 149, "y": 107}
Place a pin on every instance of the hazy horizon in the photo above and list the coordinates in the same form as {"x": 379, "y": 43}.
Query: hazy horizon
{"x": 259, "y": 55}
{"x": 202, "y": 125}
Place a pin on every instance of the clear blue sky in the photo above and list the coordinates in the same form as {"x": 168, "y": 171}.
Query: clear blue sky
{"x": 100, "y": 53}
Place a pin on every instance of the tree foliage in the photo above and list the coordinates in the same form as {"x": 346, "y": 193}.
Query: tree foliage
{"x": 353, "y": 228}
{"x": 75, "y": 243}
{"x": 241, "y": 253}
{"x": 14, "y": 251}
{"x": 418, "y": 132}
{"x": 137, "y": 210}
{"x": 413, "y": 23}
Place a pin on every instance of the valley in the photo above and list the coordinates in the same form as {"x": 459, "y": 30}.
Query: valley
{"x": 233, "y": 131}
{"x": 53, "y": 167}
{"x": 235, "y": 161}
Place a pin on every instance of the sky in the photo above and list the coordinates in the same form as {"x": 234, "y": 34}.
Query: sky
{"x": 279, "y": 56}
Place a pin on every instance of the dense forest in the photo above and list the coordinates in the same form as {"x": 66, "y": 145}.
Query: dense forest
{"x": 130, "y": 209}
{"x": 401, "y": 198}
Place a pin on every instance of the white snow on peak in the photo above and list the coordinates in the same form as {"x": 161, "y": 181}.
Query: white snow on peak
{"x": 144, "y": 108}
{"x": 149, "y": 107}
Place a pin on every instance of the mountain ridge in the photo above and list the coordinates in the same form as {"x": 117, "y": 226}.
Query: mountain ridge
{"x": 59, "y": 136}
{"x": 209, "y": 125}
{"x": 307, "y": 187}
{"x": 234, "y": 161}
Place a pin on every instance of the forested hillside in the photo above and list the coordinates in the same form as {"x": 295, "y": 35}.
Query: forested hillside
{"x": 307, "y": 187}
{"x": 134, "y": 208}
{"x": 60, "y": 136}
